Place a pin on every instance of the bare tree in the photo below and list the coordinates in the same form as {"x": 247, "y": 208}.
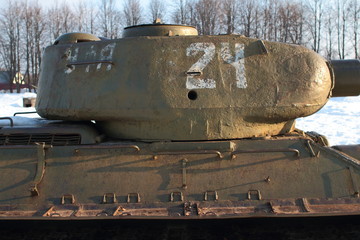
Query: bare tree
{"x": 230, "y": 9}
{"x": 192, "y": 13}
{"x": 266, "y": 20}
{"x": 247, "y": 16}
{"x": 60, "y": 20}
{"x": 185, "y": 12}
{"x": 250, "y": 18}
{"x": 157, "y": 10}
{"x": 355, "y": 17}
{"x": 297, "y": 35}
{"x": 34, "y": 42}
{"x": 132, "y": 12}
{"x": 291, "y": 22}
{"x": 86, "y": 17}
{"x": 180, "y": 15}
{"x": 81, "y": 11}
{"x": 39, "y": 27}
{"x": 341, "y": 26}
{"x": 207, "y": 13}
{"x": 330, "y": 32}
{"x": 316, "y": 11}
{"x": 109, "y": 19}
{"x": 11, "y": 24}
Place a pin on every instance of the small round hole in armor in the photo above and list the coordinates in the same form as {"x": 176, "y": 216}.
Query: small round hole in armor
{"x": 192, "y": 95}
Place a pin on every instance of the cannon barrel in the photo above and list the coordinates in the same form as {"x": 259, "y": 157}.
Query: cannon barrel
{"x": 347, "y": 78}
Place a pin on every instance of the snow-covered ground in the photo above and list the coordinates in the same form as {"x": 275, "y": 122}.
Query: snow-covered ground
{"x": 11, "y": 103}
{"x": 338, "y": 120}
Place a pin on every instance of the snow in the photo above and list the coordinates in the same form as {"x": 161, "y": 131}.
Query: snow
{"x": 338, "y": 120}
{"x": 13, "y": 103}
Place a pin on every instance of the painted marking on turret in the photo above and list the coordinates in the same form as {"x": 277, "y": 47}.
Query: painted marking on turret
{"x": 237, "y": 61}
{"x": 107, "y": 54}
{"x": 72, "y": 57}
{"x": 91, "y": 54}
{"x": 193, "y": 80}
{"x": 90, "y": 57}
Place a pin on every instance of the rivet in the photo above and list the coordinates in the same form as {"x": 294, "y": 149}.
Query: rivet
{"x": 267, "y": 179}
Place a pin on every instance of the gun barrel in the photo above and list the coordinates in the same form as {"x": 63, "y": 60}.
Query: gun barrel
{"x": 347, "y": 78}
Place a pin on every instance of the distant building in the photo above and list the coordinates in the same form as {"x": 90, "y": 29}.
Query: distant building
{"x": 5, "y": 80}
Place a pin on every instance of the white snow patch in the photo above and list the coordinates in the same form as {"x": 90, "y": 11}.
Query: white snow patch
{"x": 11, "y": 103}
{"x": 338, "y": 120}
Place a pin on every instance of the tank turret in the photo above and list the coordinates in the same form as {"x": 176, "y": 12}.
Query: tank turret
{"x": 163, "y": 82}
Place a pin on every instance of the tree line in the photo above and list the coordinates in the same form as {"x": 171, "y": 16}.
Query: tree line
{"x": 329, "y": 27}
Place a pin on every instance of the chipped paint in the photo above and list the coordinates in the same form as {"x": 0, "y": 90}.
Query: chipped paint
{"x": 237, "y": 61}
{"x": 193, "y": 82}
{"x": 107, "y": 54}
{"x": 69, "y": 69}
{"x": 191, "y": 126}
{"x": 72, "y": 56}
{"x": 90, "y": 54}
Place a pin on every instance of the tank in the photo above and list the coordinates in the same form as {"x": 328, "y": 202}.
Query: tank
{"x": 164, "y": 124}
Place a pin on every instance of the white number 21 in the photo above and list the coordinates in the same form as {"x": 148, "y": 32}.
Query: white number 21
{"x": 237, "y": 61}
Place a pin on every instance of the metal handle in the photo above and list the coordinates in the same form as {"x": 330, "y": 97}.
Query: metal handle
{"x": 137, "y": 148}
{"x": 297, "y": 152}
{"x": 194, "y": 73}
{"x": 137, "y": 195}
{"x": 40, "y": 168}
{"x": 178, "y": 194}
{"x": 206, "y": 195}
{"x": 19, "y": 113}
{"x": 88, "y": 63}
{"x": 108, "y": 196}
{"x": 218, "y": 153}
{"x": 10, "y": 119}
{"x": 257, "y": 192}
{"x": 67, "y": 197}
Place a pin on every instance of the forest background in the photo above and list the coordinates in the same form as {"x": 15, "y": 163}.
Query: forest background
{"x": 329, "y": 27}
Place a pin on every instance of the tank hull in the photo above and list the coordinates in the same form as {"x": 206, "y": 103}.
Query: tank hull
{"x": 290, "y": 175}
